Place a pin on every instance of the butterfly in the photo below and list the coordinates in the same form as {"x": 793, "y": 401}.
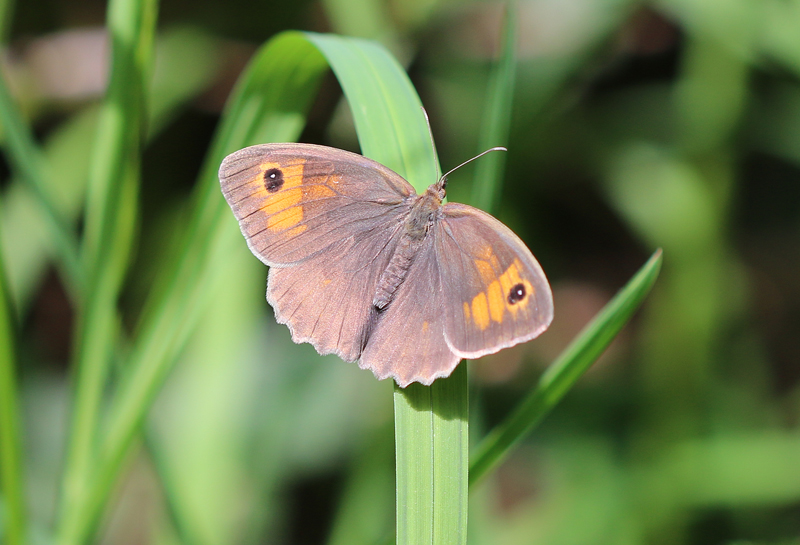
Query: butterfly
{"x": 362, "y": 266}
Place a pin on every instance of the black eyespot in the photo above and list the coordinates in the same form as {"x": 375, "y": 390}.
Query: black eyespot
{"x": 516, "y": 294}
{"x": 273, "y": 179}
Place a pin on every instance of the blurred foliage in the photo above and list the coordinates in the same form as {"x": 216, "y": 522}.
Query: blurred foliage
{"x": 671, "y": 124}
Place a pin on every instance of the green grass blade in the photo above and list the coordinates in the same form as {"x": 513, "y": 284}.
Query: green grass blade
{"x": 432, "y": 453}
{"x": 110, "y": 216}
{"x": 172, "y": 86}
{"x": 186, "y": 61}
{"x": 565, "y": 371}
{"x": 29, "y": 164}
{"x": 269, "y": 104}
{"x": 13, "y": 491}
{"x": 497, "y": 121}
{"x": 430, "y": 422}
{"x": 386, "y": 108}
{"x": 450, "y": 415}
{"x": 115, "y": 158}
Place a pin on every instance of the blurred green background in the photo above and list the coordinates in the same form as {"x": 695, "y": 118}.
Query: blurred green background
{"x": 672, "y": 124}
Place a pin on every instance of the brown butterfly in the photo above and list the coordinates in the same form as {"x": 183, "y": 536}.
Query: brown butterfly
{"x": 363, "y": 267}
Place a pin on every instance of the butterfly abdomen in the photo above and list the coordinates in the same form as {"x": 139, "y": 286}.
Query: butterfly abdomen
{"x": 395, "y": 273}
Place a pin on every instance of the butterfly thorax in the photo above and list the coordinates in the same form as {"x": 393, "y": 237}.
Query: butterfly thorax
{"x": 421, "y": 216}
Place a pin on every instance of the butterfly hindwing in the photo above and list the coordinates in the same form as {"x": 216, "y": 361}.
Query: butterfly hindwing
{"x": 495, "y": 293}
{"x": 407, "y": 342}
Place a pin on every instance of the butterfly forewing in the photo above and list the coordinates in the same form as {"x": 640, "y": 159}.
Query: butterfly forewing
{"x": 496, "y": 294}
{"x": 295, "y": 200}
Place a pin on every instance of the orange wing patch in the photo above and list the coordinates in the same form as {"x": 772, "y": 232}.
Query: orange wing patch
{"x": 517, "y": 290}
{"x": 480, "y": 311}
{"x": 283, "y": 189}
{"x": 508, "y": 291}
{"x": 497, "y": 302}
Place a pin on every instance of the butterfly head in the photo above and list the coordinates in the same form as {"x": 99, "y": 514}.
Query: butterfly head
{"x": 439, "y": 187}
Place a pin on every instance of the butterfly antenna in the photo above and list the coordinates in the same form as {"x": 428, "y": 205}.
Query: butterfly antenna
{"x": 430, "y": 133}
{"x": 446, "y": 174}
